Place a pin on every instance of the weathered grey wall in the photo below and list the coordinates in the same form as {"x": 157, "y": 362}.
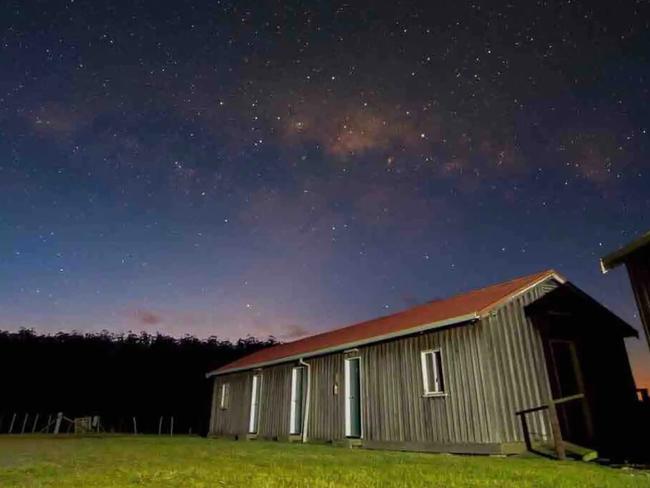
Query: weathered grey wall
{"x": 327, "y": 412}
{"x": 234, "y": 420}
{"x": 275, "y": 402}
{"x": 518, "y": 377}
{"x": 492, "y": 368}
{"x": 395, "y": 408}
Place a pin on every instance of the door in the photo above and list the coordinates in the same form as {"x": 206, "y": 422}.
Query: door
{"x": 573, "y": 415}
{"x": 353, "y": 397}
{"x": 255, "y": 404}
{"x": 296, "y": 418}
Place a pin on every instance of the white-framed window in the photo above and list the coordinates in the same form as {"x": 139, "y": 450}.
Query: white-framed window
{"x": 255, "y": 403}
{"x": 224, "y": 396}
{"x": 432, "y": 372}
{"x": 296, "y": 415}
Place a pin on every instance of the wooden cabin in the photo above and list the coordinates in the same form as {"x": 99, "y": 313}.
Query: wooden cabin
{"x": 532, "y": 360}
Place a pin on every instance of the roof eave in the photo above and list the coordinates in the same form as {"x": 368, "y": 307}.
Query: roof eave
{"x": 413, "y": 330}
{"x": 342, "y": 347}
{"x": 618, "y": 257}
{"x": 550, "y": 274}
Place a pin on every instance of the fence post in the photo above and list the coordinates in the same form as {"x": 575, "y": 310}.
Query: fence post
{"x": 22, "y": 431}
{"x": 49, "y": 423}
{"x": 171, "y": 428}
{"x": 57, "y": 425}
{"x": 11, "y": 425}
{"x": 135, "y": 426}
{"x": 34, "y": 424}
{"x": 160, "y": 425}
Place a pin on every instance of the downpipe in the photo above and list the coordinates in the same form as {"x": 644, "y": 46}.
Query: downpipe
{"x": 305, "y": 418}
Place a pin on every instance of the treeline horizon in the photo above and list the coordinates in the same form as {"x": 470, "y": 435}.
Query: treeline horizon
{"x": 116, "y": 376}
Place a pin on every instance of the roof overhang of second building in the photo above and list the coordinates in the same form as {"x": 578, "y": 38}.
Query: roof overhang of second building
{"x": 618, "y": 257}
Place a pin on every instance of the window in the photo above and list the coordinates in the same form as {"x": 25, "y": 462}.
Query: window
{"x": 255, "y": 404}
{"x": 432, "y": 374}
{"x": 224, "y": 399}
{"x": 295, "y": 421}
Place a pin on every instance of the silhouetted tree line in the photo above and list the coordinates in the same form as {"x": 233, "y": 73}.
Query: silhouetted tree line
{"x": 115, "y": 376}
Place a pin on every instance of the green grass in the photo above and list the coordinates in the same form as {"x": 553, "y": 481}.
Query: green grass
{"x": 194, "y": 462}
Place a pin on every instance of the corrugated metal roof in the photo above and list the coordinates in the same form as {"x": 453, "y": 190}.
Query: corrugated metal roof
{"x": 459, "y": 308}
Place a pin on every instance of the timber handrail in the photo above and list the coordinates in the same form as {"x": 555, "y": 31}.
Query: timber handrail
{"x": 555, "y": 423}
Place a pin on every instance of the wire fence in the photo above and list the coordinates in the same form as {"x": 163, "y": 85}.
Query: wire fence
{"x": 22, "y": 423}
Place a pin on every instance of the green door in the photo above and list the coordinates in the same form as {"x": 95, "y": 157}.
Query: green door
{"x": 352, "y": 397}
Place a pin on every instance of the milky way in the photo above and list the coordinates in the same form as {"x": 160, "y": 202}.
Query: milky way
{"x": 235, "y": 168}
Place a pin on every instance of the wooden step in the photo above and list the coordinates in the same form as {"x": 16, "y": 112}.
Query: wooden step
{"x": 585, "y": 454}
{"x": 573, "y": 451}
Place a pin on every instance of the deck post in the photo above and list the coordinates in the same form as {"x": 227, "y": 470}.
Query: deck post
{"x": 557, "y": 431}
{"x": 526, "y": 431}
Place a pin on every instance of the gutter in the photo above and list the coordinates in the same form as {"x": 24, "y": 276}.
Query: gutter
{"x": 305, "y": 417}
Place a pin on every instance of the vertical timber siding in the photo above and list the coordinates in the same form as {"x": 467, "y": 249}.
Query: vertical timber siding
{"x": 396, "y": 409}
{"x": 275, "y": 402}
{"x": 232, "y": 421}
{"x": 519, "y": 377}
{"x": 327, "y": 409}
{"x": 274, "y": 406}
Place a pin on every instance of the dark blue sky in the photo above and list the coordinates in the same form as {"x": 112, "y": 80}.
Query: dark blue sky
{"x": 228, "y": 168}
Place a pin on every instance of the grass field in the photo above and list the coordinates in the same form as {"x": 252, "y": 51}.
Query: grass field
{"x": 193, "y": 462}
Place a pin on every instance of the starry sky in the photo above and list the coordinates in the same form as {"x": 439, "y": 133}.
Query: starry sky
{"x": 233, "y": 168}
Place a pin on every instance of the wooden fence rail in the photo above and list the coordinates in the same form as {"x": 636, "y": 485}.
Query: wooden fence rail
{"x": 29, "y": 423}
{"x": 560, "y": 449}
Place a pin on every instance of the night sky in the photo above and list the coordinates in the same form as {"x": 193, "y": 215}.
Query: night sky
{"x": 234, "y": 168}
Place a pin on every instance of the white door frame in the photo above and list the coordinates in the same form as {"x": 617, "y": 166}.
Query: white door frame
{"x": 296, "y": 402}
{"x": 256, "y": 393}
{"x": 348, "y": 424}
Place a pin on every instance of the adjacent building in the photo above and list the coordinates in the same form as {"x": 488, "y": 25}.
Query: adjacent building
{"x": 636, "y": 257}
{"x": 453, "y": 375}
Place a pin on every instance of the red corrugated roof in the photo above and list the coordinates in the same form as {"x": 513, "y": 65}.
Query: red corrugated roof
{"x": 476, "y": 303}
